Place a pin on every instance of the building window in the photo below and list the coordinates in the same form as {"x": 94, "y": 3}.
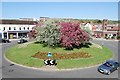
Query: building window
{"x": 105, "y": 27}
{"x": 9, "y": 28}
{"x": 14, "y": 28}
{"x": 3, "y": 28}
{"x": 24, "y": 28}
{"x": 28, "y": 28}
{"x": 20, "y": 28}
{"x": 105, "y": 34}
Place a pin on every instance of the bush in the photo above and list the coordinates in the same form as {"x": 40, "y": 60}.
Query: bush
{"x": 72, "y": 35}
{"x": 118, "y": 37}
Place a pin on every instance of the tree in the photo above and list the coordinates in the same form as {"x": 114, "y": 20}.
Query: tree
{"x": 72, "y": 35}
{"x": 48, "y": 33}
{"x": 99, "y": 22}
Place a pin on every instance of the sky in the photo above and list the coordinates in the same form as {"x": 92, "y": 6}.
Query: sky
{"x": 60, "y": 0}
{"x": 76, "y": 10}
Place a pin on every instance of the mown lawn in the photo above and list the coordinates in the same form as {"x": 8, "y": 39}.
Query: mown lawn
{"x": 24, "y": 55}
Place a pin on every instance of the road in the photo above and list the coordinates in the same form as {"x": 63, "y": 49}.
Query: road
{"x": 21, "y": 72}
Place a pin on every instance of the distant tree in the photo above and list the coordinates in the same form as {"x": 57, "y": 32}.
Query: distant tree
{"x": 99, "y": 22}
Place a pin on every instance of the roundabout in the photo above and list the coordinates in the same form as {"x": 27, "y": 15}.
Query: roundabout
{"x": 33, "y": 55}
{"x": 22, "y": 72}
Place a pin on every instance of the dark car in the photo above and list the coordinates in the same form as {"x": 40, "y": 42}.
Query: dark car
{"x": 5, "y": 41}
{"x": 108, "y": 67}
{"x": 22, "y": 41}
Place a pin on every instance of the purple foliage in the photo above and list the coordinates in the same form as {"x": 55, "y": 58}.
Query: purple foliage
{"x": 72, "y": 34}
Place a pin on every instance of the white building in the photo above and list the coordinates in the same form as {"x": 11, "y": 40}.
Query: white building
{"x": 13, "y": 29}
{"x": 88, "y": 25}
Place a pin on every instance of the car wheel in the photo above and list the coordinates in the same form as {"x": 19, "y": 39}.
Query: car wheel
{"x": 109, "y": 73}
{"x": 117, "y": 68}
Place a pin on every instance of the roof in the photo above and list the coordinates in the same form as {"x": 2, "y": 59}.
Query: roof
{"x": 111, "y": 61}
{"x": 93, "y": 27}
{"x": 11, "y": 21}
{"x": 115, "y": 28}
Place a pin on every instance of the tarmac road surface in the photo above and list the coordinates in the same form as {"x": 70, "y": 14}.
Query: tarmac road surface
{"x": 15, "y": 71}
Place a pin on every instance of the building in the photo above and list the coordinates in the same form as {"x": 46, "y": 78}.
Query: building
{"x": 29, "y": 19}
{"x": 43, "y": 19}
{"x": 14, "y": 29}
{"x": 88, "y": 25}
{"x": 97, "y": 30}
{"x": 106, "y": 30}
{"x": 26, "y": 19}
{"x": 111, "y": 32}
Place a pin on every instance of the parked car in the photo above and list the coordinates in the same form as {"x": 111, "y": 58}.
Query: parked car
{"x": 5, "y": 41}
{"x": 22, "y": 41}
{"x": 108, "y": 67}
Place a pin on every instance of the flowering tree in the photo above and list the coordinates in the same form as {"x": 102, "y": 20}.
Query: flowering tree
{"x": 48, "y": 33}
{"x": 72, "y": 35}
{"x": 62, "y": 32}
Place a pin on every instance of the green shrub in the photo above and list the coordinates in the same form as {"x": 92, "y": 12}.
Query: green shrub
{"x": 118, "y": 37}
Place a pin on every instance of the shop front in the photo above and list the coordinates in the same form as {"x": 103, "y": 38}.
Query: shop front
{"x": 15, "y": 34}
{"x": 110, "y": 34}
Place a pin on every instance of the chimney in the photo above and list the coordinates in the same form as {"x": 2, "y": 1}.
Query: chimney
{"x": 104, "y": 24}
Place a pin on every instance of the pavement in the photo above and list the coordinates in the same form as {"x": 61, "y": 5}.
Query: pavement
{"x": 105, "y": 39}
{"x": 16, "y": 71}
{"x": 18, "y": 39}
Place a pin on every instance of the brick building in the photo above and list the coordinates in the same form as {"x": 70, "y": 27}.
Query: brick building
{"x": 106, "y": 31}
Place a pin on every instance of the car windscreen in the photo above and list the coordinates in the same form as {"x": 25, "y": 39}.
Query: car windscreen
{"x": 21, "y": 39}
{"x": 108, "y": 64}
